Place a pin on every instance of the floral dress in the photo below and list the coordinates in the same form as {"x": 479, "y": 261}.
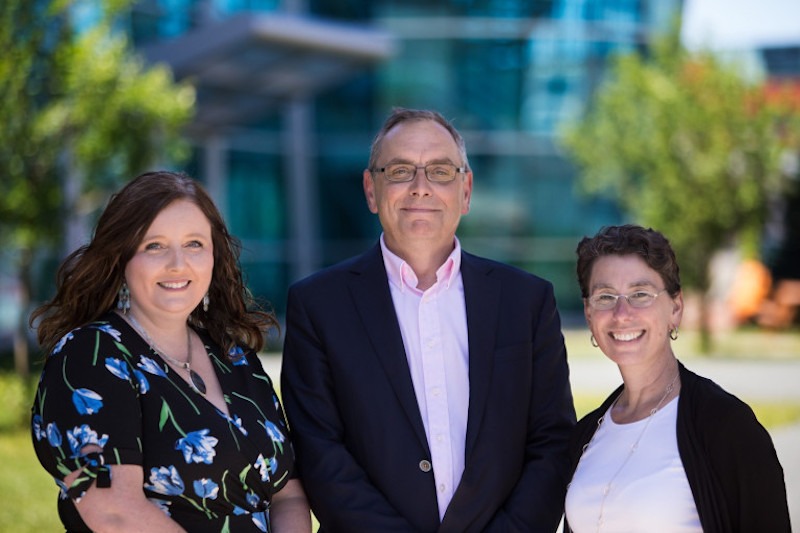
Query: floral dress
{"x": 209, "y": 471}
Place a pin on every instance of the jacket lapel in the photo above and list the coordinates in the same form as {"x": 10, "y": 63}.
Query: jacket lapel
{"x": 373, "y": 301}
{"x": 482, "y": 300}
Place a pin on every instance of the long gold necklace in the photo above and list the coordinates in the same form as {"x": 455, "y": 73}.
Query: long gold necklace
{"x": 197, "y": 382}
{"x": 632, "y": 449}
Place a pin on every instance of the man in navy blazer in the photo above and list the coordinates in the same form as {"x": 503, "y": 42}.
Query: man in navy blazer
{"x": 427, "y": 389}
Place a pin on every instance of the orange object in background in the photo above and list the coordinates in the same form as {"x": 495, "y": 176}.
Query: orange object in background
{"x": 780, "y": 310}
{"x": 751, "y": 287}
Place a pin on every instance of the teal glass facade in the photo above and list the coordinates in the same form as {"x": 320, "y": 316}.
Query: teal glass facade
{"x": 509, "y": 73}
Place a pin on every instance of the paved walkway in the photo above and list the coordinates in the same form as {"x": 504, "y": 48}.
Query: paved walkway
{"x": 750, "y": 380}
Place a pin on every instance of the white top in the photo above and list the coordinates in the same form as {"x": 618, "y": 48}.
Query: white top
{"x": 650, "y": 492}
{"x": 433, "y": 324}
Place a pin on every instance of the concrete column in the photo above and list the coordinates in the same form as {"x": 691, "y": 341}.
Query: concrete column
{"x": 301, "y": 190}
{"x": 215, "y": 171}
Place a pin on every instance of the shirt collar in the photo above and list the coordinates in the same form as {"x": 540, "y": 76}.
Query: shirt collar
{"x": 403, "y": 276}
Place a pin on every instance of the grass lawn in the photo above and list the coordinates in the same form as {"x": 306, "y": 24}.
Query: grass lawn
{"x": 29, "y": 493}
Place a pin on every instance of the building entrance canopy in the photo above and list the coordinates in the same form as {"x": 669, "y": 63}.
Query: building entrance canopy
{"x": 245, "y": 66}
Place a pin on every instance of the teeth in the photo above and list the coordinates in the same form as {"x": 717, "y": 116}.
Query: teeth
{"x": 627, "y": 336}
{"x": 176, "y": 285}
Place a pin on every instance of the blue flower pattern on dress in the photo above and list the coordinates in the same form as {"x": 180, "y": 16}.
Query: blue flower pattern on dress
{"x": 36, "y": 424}
{"x": 53, "y": 435}
{"x": 260, "y": 520}
{"x": 150, "y": 366}
{"x": 66, "y": 338}
{"x": 236, "y": 354}
{"x": 118, "y": 368}
{"x": 216, "y": 469}
{"x": 141, "y": 379}
{"x": 80, "y": 437}
{"x": 86, "y": 401}
{"x": 197, "y": 447}
{"x": 165, "y": 480}
{"x": 206, "y": 489}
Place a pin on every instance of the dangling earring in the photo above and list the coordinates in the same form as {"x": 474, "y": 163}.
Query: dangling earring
{"x": 593, "y": 341}
{"x": 124, "y": 299}
{"x": 205, "y": 303}
{"x": 673, "y": 333}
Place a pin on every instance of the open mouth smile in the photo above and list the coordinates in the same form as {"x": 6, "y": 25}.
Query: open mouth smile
{"x": 627, "y": 337}
{"x": 174, "y": 284}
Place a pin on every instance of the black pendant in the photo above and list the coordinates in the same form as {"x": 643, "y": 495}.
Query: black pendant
{"x": 198, "y": 382}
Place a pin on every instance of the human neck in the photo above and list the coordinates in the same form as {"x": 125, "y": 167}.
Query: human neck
{"x": 168, "y": 332}
{"x": 424, "y": 259}
{"x": 645, "y": 391}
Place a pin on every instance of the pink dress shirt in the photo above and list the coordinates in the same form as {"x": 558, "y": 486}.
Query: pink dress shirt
{"x": 433, "y": 324}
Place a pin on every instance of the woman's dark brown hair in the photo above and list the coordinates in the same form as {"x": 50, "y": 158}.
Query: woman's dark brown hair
{"x": 629, "y": 239}
{"x": 90, "y": 278}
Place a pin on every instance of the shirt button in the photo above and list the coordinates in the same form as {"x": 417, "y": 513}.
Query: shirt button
{"x": 425, "y": 465}
{"x": 442, "y": 487}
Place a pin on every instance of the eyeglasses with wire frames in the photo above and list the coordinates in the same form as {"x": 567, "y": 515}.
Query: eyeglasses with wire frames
{"x": 638, "y": 299}
{"x": 405, "y": 172}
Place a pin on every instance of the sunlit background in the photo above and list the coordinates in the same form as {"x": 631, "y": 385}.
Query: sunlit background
{"x": 288, "y": 94}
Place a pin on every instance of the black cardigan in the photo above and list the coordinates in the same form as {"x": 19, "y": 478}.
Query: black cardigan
{"x": 730, "y": 461}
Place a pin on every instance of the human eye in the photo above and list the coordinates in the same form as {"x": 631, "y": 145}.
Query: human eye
{"x": 152, "y": 246}
{"x": 399, "y": 171}
{"x": 604, "y": 300}
{"x": 194, "y": 244}
{"x": 442, "y": 173}
{"x": 640, "y": 297}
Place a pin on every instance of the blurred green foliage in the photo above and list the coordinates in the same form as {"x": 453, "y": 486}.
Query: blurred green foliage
{"x": 689, "y": 146}
{"x": 76, "y": 102}
{"x": 81, "y": 114}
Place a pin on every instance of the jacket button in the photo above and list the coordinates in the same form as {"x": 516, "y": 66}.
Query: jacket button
{"x": 425, "y": 465}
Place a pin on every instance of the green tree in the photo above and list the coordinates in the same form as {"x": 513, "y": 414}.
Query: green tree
{"x": 81, "y": 113}
{"x": 687, "y": 145}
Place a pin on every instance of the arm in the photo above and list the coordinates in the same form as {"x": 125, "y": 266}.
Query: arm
{"x": 122, "y": 507}
{"x": 537, "y": 501}
{"x": 289, "y": 510}
{"x": 341, "y": 494}
{"x": 751, "y": 476}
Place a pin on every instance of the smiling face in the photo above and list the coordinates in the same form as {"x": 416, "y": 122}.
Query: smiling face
{"x": 418, "y": 211}
{"x": 171, "y": 270}
{"x": 628, "y": 335}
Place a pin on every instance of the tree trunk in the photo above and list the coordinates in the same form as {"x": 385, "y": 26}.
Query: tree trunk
{"x": 21, "y": 352}
{"x": 705, "y": 340}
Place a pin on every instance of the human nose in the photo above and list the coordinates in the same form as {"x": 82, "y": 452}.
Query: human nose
{"x": 620, "y": 307}
{"x": 176, "y": 259}
{"x": 420, "y": 185}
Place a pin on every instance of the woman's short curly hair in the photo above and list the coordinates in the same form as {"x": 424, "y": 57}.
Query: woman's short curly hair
{"x": 629, "y": 239}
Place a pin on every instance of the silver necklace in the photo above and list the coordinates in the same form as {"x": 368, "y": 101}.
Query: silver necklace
{"x": 633, "y": 448}
{"x": 197, "y": 382}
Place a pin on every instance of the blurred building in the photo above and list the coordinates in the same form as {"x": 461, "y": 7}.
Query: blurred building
{"x": 290, "y": 93}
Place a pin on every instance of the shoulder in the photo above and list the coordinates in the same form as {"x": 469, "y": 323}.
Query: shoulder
{"x": 474, "y": 268}
{"x": 713, "y": 414}
{"x": 102, "y": 331}
{"x": 370, "y": 261}
{"x": 707, "y": 399}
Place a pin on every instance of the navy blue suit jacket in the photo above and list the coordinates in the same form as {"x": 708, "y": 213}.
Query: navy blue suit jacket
{"x": 358, "y": 434}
